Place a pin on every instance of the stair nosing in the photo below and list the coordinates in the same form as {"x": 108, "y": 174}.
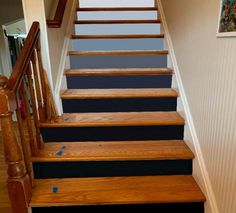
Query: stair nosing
{"x": 85, "y": 22}
{"x": 118, "y": 36}
{"x": 114, "y": 151}
{"x": 116, "y": 119}
{"x": 111, "y": 190}
{"x": 118, "y": 93}
{"x": 94, "y": 9}
{"x": 118, "y": 52}
{"x": 112, "y": 72}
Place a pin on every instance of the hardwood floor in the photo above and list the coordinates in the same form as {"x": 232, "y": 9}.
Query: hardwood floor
{"x": 4, "y": 201}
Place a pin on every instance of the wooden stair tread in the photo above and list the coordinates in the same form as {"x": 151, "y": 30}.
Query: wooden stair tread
{"x": 118, "y": 52}
{"x": 156, "y": 21}
{"x": 118, "y": 93}
{"x": 116, "y": 190}
{"x": 112, "y": 72}
{"x": 117, "y": 119}
{"x": 92, "y": 9}
{"x": 114, "y": 151}
{"x": 127, "y": 36}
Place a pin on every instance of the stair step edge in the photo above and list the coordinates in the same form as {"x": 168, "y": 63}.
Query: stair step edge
{"x": 117, "y": 119}
{"x": 156, "y": 21}
{"x": 111, "y": 190}
{"x": 127, "y": 52}
{"x": 111, "y": 72}
{"x": 114, "y": 151}
{"x": 113, "y": 36}
{"x": 92, "y": 9}
{"x": 118, "y": 93}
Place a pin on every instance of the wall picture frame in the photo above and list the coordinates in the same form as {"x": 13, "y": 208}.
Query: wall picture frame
{"x": 227, "y": 19}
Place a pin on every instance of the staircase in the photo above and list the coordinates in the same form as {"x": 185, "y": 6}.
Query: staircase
{"x": 119, "y": 145}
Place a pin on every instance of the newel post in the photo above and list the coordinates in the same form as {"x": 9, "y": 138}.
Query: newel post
{"x": 18, "y": 182}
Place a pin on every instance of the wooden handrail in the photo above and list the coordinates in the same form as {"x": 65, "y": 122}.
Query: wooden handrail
{"x": 57, "y": 21}
{"x": 23, "y": 60}
{"x": 27, "y": 94}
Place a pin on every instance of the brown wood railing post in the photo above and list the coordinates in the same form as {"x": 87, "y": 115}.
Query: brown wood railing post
{"x": 34, "y": 107}
{"x": 32, "y": 140}
{"x": 25, "y": 145}
{"x": 41, "y": 109}
{"x": 18, "y": 183}
{"x": 49, "y": 105}
{"x": 41, "y": 74}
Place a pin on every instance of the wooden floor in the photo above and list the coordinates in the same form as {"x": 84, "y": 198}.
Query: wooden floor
{"x": 4, "y": 202}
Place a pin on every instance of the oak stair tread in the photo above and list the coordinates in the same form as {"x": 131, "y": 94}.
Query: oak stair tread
{"x": 92, "y": 9}
{"x": 117, "y": 119}
{"x": 112, "y": 72}
{"x": 125, "y": 36}
{"x": 118, "y": 52}
{"x": 116, "y": 190}
{"x": 154, "y": 21}
{"x": 114, "y": 151}
{"x": 118, "y": 93}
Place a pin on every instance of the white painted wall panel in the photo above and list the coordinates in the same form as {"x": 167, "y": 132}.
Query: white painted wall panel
{"x": 208, "y": 70}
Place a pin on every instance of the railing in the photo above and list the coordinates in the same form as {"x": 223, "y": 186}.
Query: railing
{"x": 27, "y": 95}
{"x": 57, "y": 21}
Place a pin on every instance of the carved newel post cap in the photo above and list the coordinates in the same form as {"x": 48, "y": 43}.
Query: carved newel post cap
{"x": 3, "y": 81}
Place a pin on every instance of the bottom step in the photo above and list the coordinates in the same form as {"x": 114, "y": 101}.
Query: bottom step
{"x": 116, "y": 191}
{"x": 152, "y": 208}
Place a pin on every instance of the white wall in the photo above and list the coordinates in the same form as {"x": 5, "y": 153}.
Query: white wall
{"x": 34, "y": 10}
{"x": 59, "y": 42}
{"x": 50, "y": 8}
{"x": 208, "y": 72}
{"x": 57, "y": 38}
{"x": 17, "y": 28}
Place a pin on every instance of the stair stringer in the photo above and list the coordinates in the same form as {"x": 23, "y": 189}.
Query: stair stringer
{"x": 190, "y": 134}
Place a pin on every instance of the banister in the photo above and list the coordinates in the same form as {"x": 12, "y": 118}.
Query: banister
{"x": 27, "y": 94}
{"x": 23, "y": 60}
{"x": 57, "y": 21}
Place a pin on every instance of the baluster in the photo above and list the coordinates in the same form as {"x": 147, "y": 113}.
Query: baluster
{"x": 24, "y": 143}
{"x": 41, "y": 109}
{"x": 18, "y": 183}
{"x": 49, "y": 106}
{"x": 42, "y": 77}
{"x": 32, "y": 142}
{"x": 34, "y": 106}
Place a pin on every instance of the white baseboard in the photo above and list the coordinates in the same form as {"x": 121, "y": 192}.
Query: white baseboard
{"x": 199, "y": 156}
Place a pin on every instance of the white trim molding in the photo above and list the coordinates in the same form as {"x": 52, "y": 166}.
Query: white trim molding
{"x": 64, "y": 56}
{"x": 199, "y": 156}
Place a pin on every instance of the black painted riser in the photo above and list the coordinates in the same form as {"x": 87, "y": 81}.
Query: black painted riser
{"x": 119, "y": 105}
{"x": 111, "y": 168}
{"x": 62, "y": 134}
{"x": 123, "y": 61}
{"x": 117, "y": 44}
{"x": 104, "y": 82}
{"x": 158, "y": 208}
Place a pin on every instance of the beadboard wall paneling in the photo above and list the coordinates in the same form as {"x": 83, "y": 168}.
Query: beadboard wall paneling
{"x": 207, "y": 67}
